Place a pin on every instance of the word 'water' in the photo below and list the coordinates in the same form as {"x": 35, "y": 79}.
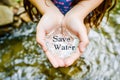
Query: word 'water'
{"x": 61, "y": 42}
{"x": 63, "y": 46}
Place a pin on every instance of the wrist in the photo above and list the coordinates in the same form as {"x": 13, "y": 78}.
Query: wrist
{"x": 74, "y": 15}
{"x": 54, "y": 11}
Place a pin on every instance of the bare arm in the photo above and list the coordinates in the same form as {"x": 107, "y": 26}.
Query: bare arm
{"x": 83, "y": 8}
{"x": 51, "y": 19}
{"x": 44, "y": 5}
{"x": 74, "y": 22}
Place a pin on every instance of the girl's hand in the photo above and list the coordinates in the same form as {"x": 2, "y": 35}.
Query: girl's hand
{"x": 49, "y": 21}
{"x": 76, "y": 26}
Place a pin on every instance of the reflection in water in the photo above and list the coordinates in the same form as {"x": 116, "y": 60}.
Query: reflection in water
{"x": 22, "y": 59}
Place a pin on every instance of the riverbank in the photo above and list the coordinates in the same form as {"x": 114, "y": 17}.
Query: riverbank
{"x": 12, "y": 15}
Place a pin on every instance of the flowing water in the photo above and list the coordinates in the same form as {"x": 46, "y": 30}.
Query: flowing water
{"x": 22, "y": 59}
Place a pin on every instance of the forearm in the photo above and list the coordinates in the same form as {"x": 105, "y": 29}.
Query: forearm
{"x": 44, "y": 6}
{"x": 83, "y": 8}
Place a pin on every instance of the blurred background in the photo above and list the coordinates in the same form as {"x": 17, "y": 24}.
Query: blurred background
{"x": 22, "y": 59}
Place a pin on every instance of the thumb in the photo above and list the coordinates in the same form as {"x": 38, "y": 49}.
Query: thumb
{"x": 84, "y": 41}
{"x": 40, "y": 38}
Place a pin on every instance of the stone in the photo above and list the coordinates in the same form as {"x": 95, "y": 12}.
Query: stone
{"x": 13, "y": 3}
{"x": 17, "y": 22}
{"x": 14, "y": 10}
{"x": 6, "y": 15}
{"x": 25, "y": 17}
{"x": 21, "y": 10}
{"x": 5, "y": 30}
{"x": 61, "y": 42}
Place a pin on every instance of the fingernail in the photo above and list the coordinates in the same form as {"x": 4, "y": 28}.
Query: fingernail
{"x": 55, "y": 66}
{"x": 83, "y": 49}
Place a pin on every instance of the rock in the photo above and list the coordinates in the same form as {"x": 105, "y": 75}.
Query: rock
{"x": 25, "y": 17}
{"x": 21, "y": 10}
{"x": 17, "y": 22}
{"x": 6, "y": 15}
{"x": 15, "y": 10}
{"x": 69, "y": 71}
{"x": 1, "y": 3}
{"x": 5, "y": 30}
{"x": 21, "y": 3}
{"x": 11, "y": 3}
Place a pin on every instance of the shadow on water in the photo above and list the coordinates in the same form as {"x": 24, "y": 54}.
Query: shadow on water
{"x": 22, "y": 59}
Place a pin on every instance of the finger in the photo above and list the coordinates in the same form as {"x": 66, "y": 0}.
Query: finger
{"x": 40, "y": 37}
{"x": 83, "y": 44}
{"x": 41, "y": 42}
{"x": 60, "y": 61}
{"x": 55, "y": 60}
{"x": 83, "y": 39}
{"x": 70, "y": 60}
{"x": 52, "y": 60}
